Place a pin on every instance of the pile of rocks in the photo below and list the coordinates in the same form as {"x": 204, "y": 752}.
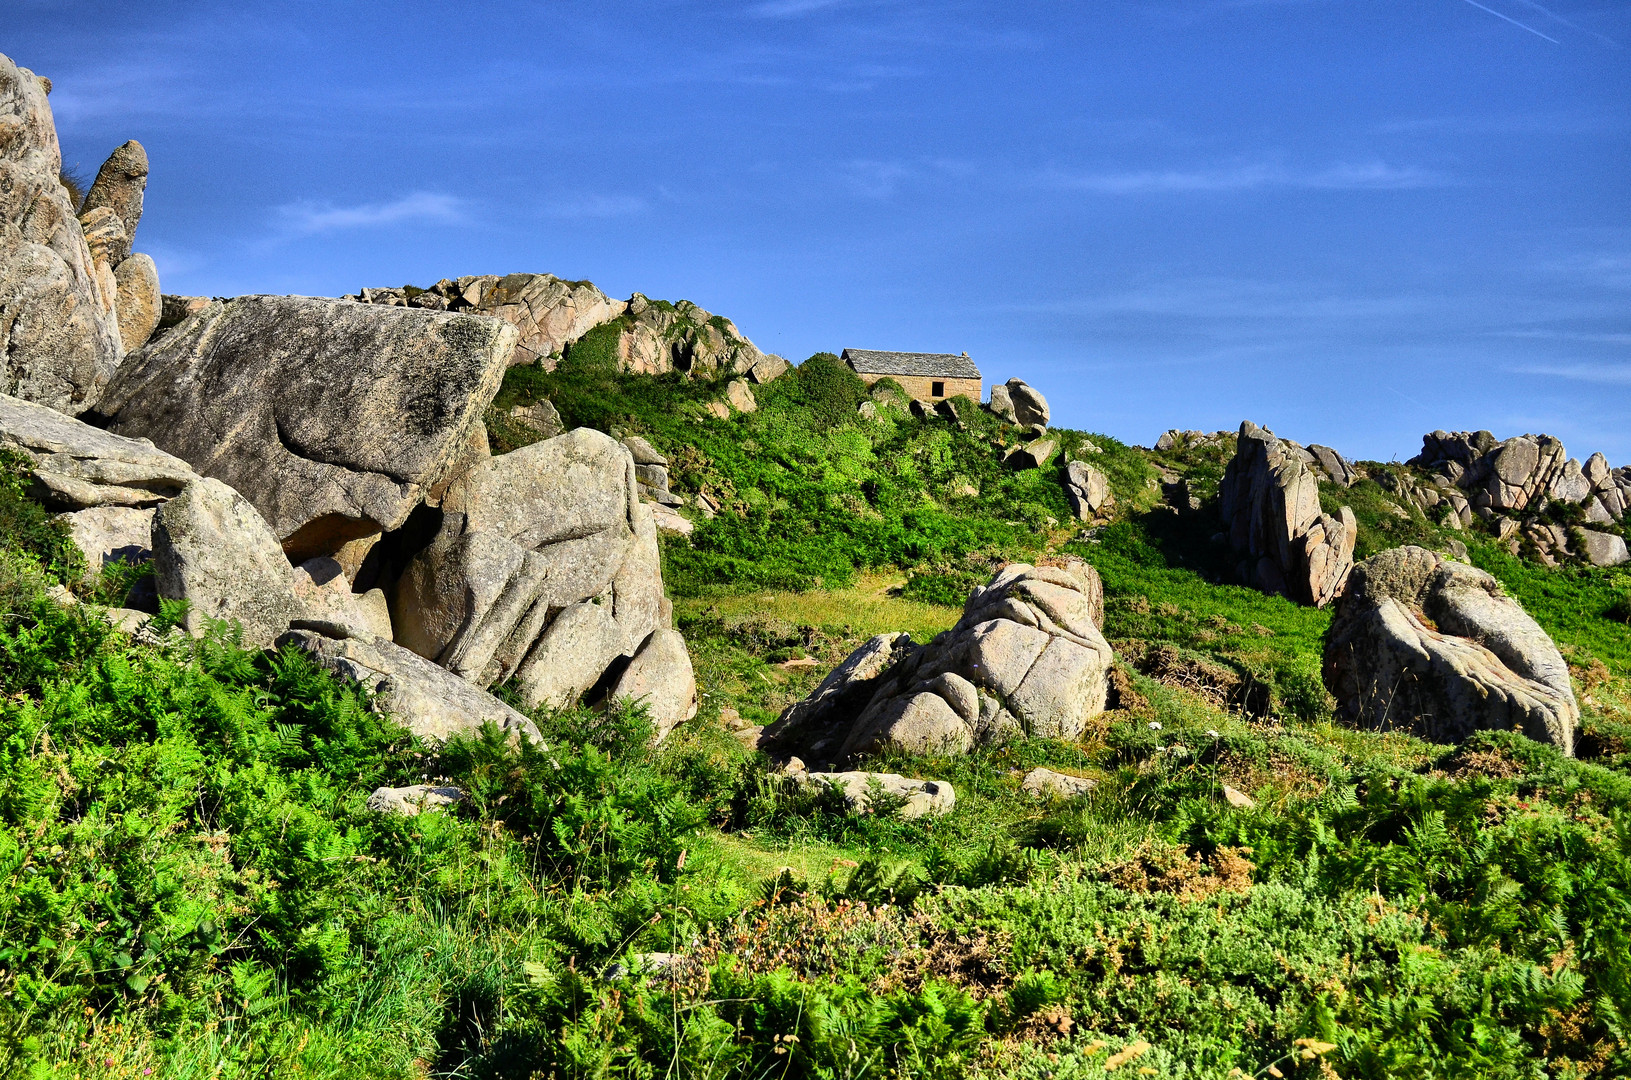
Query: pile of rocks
{"x": 73, "y": 296}
{"x": 1269, "y": 500}
{"x": 1431, "y": 646}
{"x": 315, "y": 473}
{"x": 550, "y": 314}
{"x": 1026, "y": 659}
{"x": 1471, "y": 474}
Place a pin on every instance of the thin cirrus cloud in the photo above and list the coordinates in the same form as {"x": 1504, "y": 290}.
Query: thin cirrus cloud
{"x": 791, "y": 9}
{"x": 309, "y": 218}
{"x": 595, "y": 207}
{"x": 1367, "y": 176}
{"x": 1615, "y": 374}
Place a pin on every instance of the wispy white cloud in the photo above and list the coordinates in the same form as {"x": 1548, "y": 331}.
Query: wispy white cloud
{"x": 1609, "y": 372}
{"x": 791, "y": 9}
{"x": 585, "y": 207}
{"x": 874, "y": 179}
{"x": 1231, "y": 300}
{"x": 1567, "y": 335}
{"x": 1366, "y": 176}
{"x": 309, "y": 218}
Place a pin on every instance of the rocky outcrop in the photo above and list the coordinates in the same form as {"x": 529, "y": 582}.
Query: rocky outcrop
{"x": 1270, "y": 505}
{"x": 1175, "y": 439}
{"x": 545, "y": 568}
{"x": 1423, "y": 644}
{"x": 1338, "y": 469}
{"x": 1030, "y": 407}
{"x": 1520, "y": 473}
{"x": 1026, "y": 659}
{"x": 548, "y": 313}
{"x": 1088, "y": 490}
{"x": 76, "y": 466}
{"x": 120, "y": 186}
{"x": 59, "y": 336}
{"x": 335, "y": 419}
{"x": 659, "y": 337}
{"x": 427, "y": 700}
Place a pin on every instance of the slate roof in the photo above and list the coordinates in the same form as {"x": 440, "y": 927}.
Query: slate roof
{"x": 941, "y": 365}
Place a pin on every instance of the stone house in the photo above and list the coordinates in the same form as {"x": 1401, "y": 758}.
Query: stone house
{"x": 926, "y": 376}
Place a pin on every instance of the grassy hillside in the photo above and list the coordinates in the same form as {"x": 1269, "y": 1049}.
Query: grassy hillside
{"x": 190, "y": 884}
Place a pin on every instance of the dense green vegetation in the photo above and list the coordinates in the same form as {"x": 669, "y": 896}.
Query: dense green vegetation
{"x": 190, "y": 884}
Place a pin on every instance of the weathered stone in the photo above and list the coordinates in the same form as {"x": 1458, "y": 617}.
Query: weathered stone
{"x": 1030, "y": 407}
{"x": 1237, "y": 798}
{"x": 1597, "y": 473}
{"x": 659, "y": 337}
{"x": 119, "y": 186}
{"x": 176, "y": 309}
{"x": 59, "y": 338}
{"x": 1269, "y": 499}
{"x": 549, "y": 314}
{"x": 768, "y": 367}
{"x": 410, "y": 801}
{"x": 1435, "y": 647}
{"x": 78, "y": 466}
{"x": 112, "y": 534}
{"x": 1601, "y": 548}
{"x": 1002, "y": 404}
{"x": 541, "y": 417}
{"x": 137, "y": 283}
{"x": 660, "y": 677}
{"x": 1026, "y": 659}
{"x": 430, "y": 702}
{"x": 867, "y": 410}
{"x": 643, "y": 452}
{"x": 1087, "y": 488}
{"x": 671, "y": 521}
{"x": 211, "y": 549}
{"x": 335, "y": 418}
{"x": 1337, "y": 467}
{"x": 1031, "y": 455}
{"x": 740, "y": 396}
{"x": 1045, "y": 783}
{"x": 546, "y": 567}
{"x": 923, "y": 798}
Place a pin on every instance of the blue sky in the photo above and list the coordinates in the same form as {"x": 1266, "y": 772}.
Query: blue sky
{"x": 1350, "y": 220}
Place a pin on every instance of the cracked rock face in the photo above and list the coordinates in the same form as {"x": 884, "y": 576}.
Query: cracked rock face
{"x": 1026, "y": 660}
{"x": 59, "y": 337}
{"x": 1430, "y": 646}
{"x": 76, "y": 466}
{"x": 1270, "y": 505}
{"x": 334, "y": 418}
{"x": 545, "y": 567}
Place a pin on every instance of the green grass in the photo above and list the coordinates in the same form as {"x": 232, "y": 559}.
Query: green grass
{"x": 190, "y": 883}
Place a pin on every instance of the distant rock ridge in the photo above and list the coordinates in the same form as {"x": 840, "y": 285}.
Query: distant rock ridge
{"x": 550, "y": 314}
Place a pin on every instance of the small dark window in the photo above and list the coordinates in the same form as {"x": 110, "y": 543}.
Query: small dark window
{"x": 937, "y": 389}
